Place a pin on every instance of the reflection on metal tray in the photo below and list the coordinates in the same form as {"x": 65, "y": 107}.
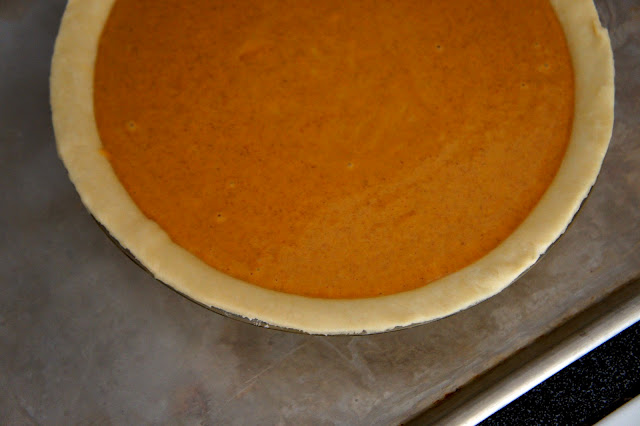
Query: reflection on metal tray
{"x": 88, "y": 337}
{"x": 539, "y": 361}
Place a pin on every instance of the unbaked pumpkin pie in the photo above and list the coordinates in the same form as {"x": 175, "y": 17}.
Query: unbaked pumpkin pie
{"x": 333, "y": 166}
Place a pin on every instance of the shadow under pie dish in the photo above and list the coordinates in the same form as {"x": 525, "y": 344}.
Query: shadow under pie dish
{"x": 333, "y": 167}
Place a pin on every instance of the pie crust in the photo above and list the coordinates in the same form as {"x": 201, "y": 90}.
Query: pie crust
{"x": 79, "y": 146}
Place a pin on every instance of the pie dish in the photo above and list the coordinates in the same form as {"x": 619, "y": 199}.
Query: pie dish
{"x": 376, "y": 258}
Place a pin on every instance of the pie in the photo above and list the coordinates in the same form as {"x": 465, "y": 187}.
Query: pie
{"x": 327, "y": 166}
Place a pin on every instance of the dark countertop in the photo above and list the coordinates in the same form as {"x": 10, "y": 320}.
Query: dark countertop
{"x": 585, "y": 391}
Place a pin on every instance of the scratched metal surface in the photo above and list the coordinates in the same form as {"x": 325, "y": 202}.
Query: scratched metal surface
{"x": 87, "y": 337}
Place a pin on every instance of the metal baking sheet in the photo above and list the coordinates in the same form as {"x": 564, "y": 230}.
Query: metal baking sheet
{"x": 86, "y": 336}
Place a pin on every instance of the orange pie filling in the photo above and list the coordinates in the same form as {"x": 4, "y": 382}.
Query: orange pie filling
{"x": 335, "y": 149}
